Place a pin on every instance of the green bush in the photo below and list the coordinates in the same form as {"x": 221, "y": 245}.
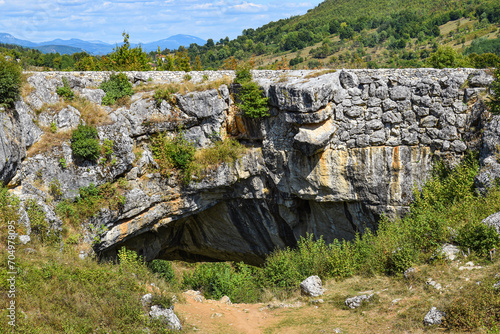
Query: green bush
{"x": 478, "y": 237}
{"x": 163, "y": 268}
{"x": 252, "y": 102}
{"x": 161, "y": 95}
{"x": 174, "y": 152}
{"x": 85, "y": 142}
{"x": 447, "y": 57}
{"x": 494, "y": 99}
{"x": 38, "y": 222}
{"x": 216, "y": 280}
{"x": 116, "y": 87}
{"x": 10, "y": 82}
{"x": 65, "y": 91}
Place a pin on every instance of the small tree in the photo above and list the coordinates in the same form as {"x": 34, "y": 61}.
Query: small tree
{"x": 447, "y": 57}
{"x": 494, "y": 99}
{"x": 182, "y": 60}
{"x": 115, "y": 87}
{"x": 10, "y": 82}
{"x": 85, "y": 142}
{"x": 252, "y": 101}
{"x": 124, "y": 58}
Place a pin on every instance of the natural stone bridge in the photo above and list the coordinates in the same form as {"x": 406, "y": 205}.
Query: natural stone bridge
{"x": 339, "y": 149}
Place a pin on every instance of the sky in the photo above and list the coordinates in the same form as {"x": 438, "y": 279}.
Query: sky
{"x": 145, "y": 21}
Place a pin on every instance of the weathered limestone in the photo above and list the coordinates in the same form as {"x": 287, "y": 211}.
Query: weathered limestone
{"x": 338, "y": 150}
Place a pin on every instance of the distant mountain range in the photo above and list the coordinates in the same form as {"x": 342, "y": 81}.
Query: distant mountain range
{"x": 74, "y": 45}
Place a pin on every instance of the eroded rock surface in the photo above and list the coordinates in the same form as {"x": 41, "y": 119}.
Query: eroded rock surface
{"x": 338, "y": 150}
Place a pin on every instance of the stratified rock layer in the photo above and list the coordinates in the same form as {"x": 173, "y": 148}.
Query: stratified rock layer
{"x": 338, "y": 150}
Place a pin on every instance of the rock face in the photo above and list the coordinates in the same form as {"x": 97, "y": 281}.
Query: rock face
{"x": 338, "y": 150}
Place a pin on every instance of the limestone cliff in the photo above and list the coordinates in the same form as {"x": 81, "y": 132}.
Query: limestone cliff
{"x": 339, "y": 149}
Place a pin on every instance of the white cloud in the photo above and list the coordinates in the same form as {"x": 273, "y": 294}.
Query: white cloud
{"x": 249, "y": 7}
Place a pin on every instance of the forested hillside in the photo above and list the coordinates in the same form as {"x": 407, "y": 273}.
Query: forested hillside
{"x": 336, "y": 33}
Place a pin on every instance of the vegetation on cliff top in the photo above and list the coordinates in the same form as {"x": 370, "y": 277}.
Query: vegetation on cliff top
{"x": 356, "y": 34}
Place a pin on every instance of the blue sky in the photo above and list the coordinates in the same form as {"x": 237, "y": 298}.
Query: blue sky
{"x": 145, "y": 21}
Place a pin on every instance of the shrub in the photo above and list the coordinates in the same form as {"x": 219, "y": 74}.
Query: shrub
{"x": 478, "y": 237}
{"x": 253, "y": 103}
{"x": 216, "y": 280}
{"x": 243, "y": 75}
{"x": 494, "y": 99}
{"x": 85, "y": 142}
{"x": 166, "y": 94}
{"x": 55, "y": 189}
{"x": 10, "y": 83}
{"x": 9, "y": 212}
{"x": 38, "y": 222}
{"x": 447, "y": 57}
{"x": 477, "y": 306}
{"x": 163, "y": 269}
{"x": 65, "y": 91}
{"x": 116, "y": 87}
{"x": 174, "y": 152}
{"x": 53, "y": 127}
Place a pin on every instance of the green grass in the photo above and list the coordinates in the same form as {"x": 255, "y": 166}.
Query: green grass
{"x": 59, "y": 293}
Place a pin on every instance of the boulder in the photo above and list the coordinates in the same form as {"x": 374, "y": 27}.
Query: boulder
{"x": 450, "y": 252}
{"x": 146, "y": 299}
{"x": 493, "y": 220}
{"x": 166, "y": 316}
{"x": 312, "y": 286}
{"x": 434, "y": 317}
{"x": 355, "y": 302}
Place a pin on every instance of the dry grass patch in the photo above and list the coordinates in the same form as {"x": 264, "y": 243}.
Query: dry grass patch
{"x": 48, "y": 141}
{"x": 184, "y": 87}
{"x": 319, "y": 73}
{"x": 26, "y": 87}
{"x": 92, "y": 113}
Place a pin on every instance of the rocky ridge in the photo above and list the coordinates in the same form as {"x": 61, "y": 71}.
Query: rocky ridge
{"x": 339, "y": 149}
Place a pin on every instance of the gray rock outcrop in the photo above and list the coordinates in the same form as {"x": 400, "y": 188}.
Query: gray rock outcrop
{"x": 166, "y": 316}
{"x": 434, "y": 317}
{"x": 357, "y": 301}
{"x": 312, "y": 286}
{"x": 338, "y": 150}
{"x": 493, "y": 221}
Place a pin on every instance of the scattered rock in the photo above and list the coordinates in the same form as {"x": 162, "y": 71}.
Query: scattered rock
{"x": 166, "y": 316}
{"x": 196, "y": 295}
{"x": 410, "y": 272}
{"x": 216, "y": 315}
{"x": 225, "y": 300}
{"x": 82, "y": 255}
{"x": 450, "y": 251}
{"x": 146, "y": 299}
{"x": 312, "y": 286}
{"x": 355, "y": 302}
{"x": 434, "y": 317}
{"x": 469, "y": 266}
{"x": 493, "y": 220}
{"x": 24, "y": 239}
{"x": 434, "y": 284}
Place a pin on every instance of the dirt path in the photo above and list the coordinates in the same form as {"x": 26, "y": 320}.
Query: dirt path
{"x": 211, "y": 316}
